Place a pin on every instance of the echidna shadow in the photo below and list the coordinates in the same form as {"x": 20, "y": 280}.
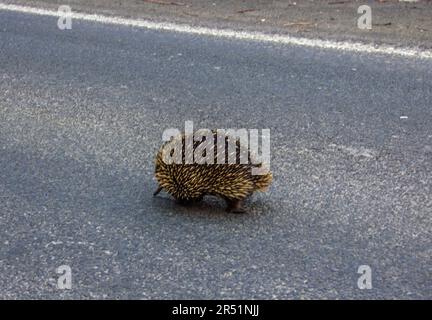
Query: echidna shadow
{"x": 190, "y": 182}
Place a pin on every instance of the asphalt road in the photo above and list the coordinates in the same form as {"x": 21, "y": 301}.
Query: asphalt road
{"x": 394, "y": 22}
{"x": 82, "y": 112}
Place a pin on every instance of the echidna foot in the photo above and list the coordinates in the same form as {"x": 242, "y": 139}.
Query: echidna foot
{"x": 234, "y": 206}
{"x": 236, "y": 210}
{"x": 189, "y": 202}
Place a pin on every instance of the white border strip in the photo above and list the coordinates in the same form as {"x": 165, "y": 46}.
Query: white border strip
{"x": 226, "y": 33}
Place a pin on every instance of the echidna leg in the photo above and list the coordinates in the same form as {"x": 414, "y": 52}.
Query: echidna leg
{"x": 159, "y": 189}
{"x": 235, "y": 206}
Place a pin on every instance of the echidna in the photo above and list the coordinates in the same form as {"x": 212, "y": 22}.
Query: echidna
{"x": 190, "y": 182}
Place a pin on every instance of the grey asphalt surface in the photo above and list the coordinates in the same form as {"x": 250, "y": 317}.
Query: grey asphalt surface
{"x": 81, "y": 116}
{"x": 394, "y": 22}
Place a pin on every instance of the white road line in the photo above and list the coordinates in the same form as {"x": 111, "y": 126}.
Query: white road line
{"x": 226, "y": 33}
